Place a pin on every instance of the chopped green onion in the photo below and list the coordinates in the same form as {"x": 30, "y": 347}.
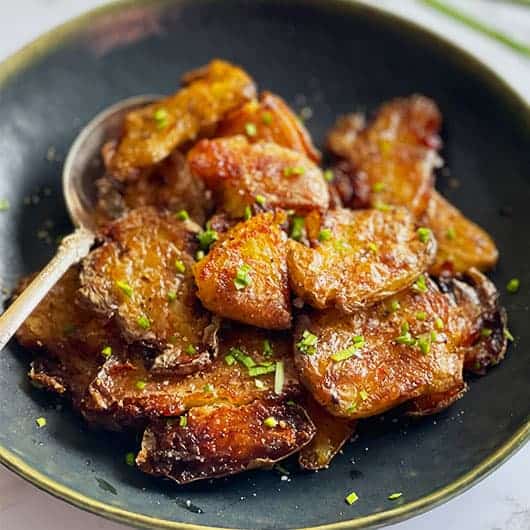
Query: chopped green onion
{"x": 382, "y": 206}
{"x": 241, "y": 357}
{"x": 161, "y": 116}
{"x": 125, "y": 287}
{"x": 421, "y": 315}
{"x": 260, "y": 385}
{"x": 486, "y": 332}
{"x": 324, "y": 235}
{"x": 4, "y": 205}
{"x": 424, "y": 234}
{"x": 250, "y": 129}
{"x": 208, "y": 387}
{"x": 352, "y": 408}
{"x": 171, "y": 296}
{"x": 183, "y": 421}
{"x": 242, "y": 278}
{"x": 405, "y": 327}
{"x": 439, "y": 324}
{"x": 279, "y": 378}
{"x": 296, "y": 170}
{"x": 363, "y": 395}
{"x": 199, "y": 255}
{"x": 106, "y": 351}
{"x": 508, "y": 335}
{"x": 394, "y": 496}
{"x": 450, "y": 234}
{"x": 421, "y": 284}
{"x": 342, "y": 355}
{"x": 261, "y": 370}
{"x": 394, "y": 306}
{"x": 248, "y": 213}
{"x": 267, "y": 348}
{"x": 140, "y": 385}
{"x": 266, "y": 118}
{"x": 41, "y": 422}
{"x": 328, "y": 175}
{"x": 206, "y": 238}
{"x": 424, "y": 344}
{"x": 144, "y": 322}
{"x": 372, "y": 247}
{"x": 297, "y": 225}
{"x": 378, "y": 187}
{"x": 513, "y": 285}
{"x": 351, "y": 498}
{"x": 180, "y": 266}
{"x": 230, "y": 359}
{"x": 191, "y": 349}
{"x": 182, "y": 215}
{"x": 130, "y": 459}
{"x": 261, "y": 200}
{"x": 270, "y": 422}
{"x": 308, "y": 343}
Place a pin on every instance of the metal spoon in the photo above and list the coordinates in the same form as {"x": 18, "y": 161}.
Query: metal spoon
{"x": 82, "y": 167}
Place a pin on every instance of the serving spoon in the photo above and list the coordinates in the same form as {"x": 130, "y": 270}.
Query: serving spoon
{"x": 82, "y": 167}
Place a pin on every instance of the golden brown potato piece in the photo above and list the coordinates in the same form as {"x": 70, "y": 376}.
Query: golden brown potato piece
{"x": 435, "y": 403}
{"x": 362, "y": 364}
{"x": 270, "y": 119}
{"x": 461, "y": 243}
{"x": 358, "y": 257}
{"x": 331, "y": 434}
{"x": 219, "y": 440}
{"x": 260, "y": 175}
{"x": 244, "y": 276}
{"x": 151, "y": 133}
{"x": 391, "y": 161}
{"x": 142, "y": 275}
{"x": 125, "y": 391}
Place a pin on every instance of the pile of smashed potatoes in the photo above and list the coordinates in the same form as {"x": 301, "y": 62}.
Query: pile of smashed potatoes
{"x": 243, "y": 304}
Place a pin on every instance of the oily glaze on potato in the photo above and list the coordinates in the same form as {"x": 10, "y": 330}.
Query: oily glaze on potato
{"x": 126, "y": 391}
{"x": 461, "y": 243}
{"x": 141, "y": 275}
{"x": 270, "y": 119}
{"x": 258, "y": 175}
{"x": 244, "y": 276}
{"x": 331, "y": 434}
{"x": 219, "y": 440}
{"x": 376, "y": 358}
{"x": 391, "y": 161}
{"x": 151, "y": 133}
{"x": 365, "y": 256}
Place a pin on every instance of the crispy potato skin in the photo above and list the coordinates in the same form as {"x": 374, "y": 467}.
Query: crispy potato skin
{"x": 435, "y": 403}
{"x": 223, "y": 440}
{"x": 331, "y": 434}
{"x": 345, "y": 271}
{"x": 115, "y": 401}
{"x": 391, "y": 161}
{"x": 382, "y": 373}
{"x": 142, "y": 249}
{"x": 272, "y": 121}
{"x": 238, "y": 172}
{"x": 212, "y": 92}
{"x": 461, "y": 243}
{"x": 260, "y": 244}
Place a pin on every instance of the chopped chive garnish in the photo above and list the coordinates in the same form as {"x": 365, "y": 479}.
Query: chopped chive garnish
{"x": 161, "y": 116}
{"x": 351, "y": 498}
{"x": 261, "y": 200}
{"x": 405, "y": 338}
{"x": 248, "y": 213}
{"x": 241, "y": 357}
{"x": 250, "y": 129}
{"x": 279, "y": 378}
{"x": 439, "y": 324}
{"x": 206, "y": 238}
{"x": 180, "y": 266}
{"x": 208, "y": 388}
{"x": 144, "y": 322}
{"x": 260, "y": 385}
{"x": 296, "y": 170}
{"x": 308, "y": 343}
{"x": 140, "y": 385}
{"x": 421, "y": 315}
{"x": 382, "y": 206}
{"x": 421, "y": 284}
{"x": 352, "y": 408}
{"x": 106, "y": 351}
{"x": 41, "y": 422}
{"x": 4, "y": 205}
{"x": 324, "y": 235}
{"x": 486, "y": 332}
{"x": 424, "y": 234}
{"x": 171, "y": 296}
{"x": 242, "y": 278}
{"x": 513, "y": 285}
{"x": 372, "y": 247}
{"x": 266, "y": 118}
{"x": 297, "y": 226}
{"x": 405, "y": 327}
{"x": 450, "y": 233}
{"x": 125, "y": 288}
{"x": 394, "y": 306}
{"x": 130, "y": 459}
{"x": 261, "y": 370}
{"x": 424, "y": 344}
{"x": 270, "y": 422}
{"x": 508, "y": 335}
{"x": 230, "y": 359}
{"x": 394, "y": 496}
{"x": 342, "y": 355}
{"x": 182, "y": 215}
{"x": 199, "y": 255}
{"x": 191, "y": 349}
{"x": 183, "y": 421}
{"x": 328, "y": 175}
{"x": 267, "y": 348}
{"x": 378, "y": 187}
{"x": 363, "y": 394}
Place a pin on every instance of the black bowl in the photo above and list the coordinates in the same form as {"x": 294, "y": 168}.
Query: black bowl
{"x": 333, "y": 57}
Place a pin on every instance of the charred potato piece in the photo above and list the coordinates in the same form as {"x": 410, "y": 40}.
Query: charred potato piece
{"x": 142, "y": 275}
{"x": 244, "y": 276}
{"x": 331, "y": 434}
{"x": 358, "y": 257}
{"x": 461, "y": 243}
{"x": 125, "y": 391}
{"x": 219, "y": 440}
{"x": 365, "y": 363}
{"x": 391, "y": 161}
{"x": 270, "y": 119}
{"x": 151, "y": 133}
{"x": 259, "y": 175}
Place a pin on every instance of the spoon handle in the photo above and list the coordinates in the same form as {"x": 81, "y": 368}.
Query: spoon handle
{"x": 72, "y": 249}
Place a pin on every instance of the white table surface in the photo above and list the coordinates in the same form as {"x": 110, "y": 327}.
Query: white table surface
{"x": 501, "y": 501}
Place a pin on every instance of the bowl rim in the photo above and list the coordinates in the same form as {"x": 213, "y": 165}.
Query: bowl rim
{"x": 47, "y": 42}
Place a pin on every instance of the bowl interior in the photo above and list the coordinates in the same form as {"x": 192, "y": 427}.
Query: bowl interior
{"x": 334, "y": 58}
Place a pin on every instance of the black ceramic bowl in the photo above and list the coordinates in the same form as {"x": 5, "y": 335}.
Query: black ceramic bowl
{"x": 334, "y": 57}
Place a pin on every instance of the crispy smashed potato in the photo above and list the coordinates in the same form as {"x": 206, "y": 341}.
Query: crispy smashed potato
{"x": 331, "y": 434}
{"x": 126, "y": 391}
{"x": 259, "y": 175}
{"x": 220, "y": 440}
{"x": 270, "y": 119}
{"x": 151, "y": 133}
{"x": 461, "y": 243}
{"x": 358, "y": 257}
{"x": 391, "y": 161}
{"x": 435, "y": 403}
{"x": 244, "y": 276}
{"x": 142, "y": 276}
{"x": 365, "y": 363}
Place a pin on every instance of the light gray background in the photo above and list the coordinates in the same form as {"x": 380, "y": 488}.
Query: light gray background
{"x": 500, "y": 502}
